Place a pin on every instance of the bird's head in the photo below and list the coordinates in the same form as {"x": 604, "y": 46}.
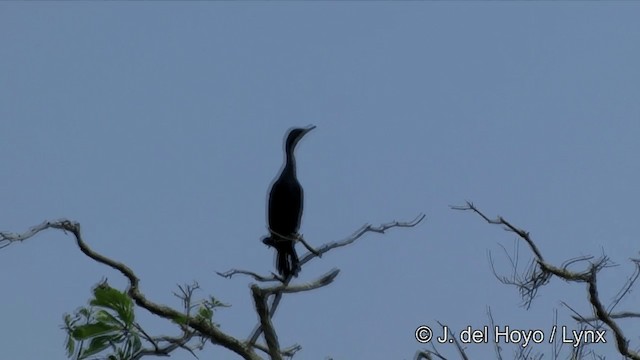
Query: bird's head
{"x": 296, "y": 134}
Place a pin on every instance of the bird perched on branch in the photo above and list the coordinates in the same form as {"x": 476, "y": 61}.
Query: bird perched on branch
{"x": 286, "y": 202}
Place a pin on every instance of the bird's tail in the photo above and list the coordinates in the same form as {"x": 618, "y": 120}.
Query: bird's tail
{"x": 287, "y": 260}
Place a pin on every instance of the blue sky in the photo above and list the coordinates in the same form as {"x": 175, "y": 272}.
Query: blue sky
{"x": 159, "y": 126}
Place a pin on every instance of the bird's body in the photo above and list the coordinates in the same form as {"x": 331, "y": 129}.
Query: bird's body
{"x": 286, "y": 203}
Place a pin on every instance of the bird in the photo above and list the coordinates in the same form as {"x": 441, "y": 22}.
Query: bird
{"x": 285, "y": 206}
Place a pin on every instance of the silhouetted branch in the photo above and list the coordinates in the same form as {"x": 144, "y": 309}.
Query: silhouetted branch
{"x": 325, "y": 248}
{"x": 228, "y": 274}
{"x": 620, "y": 315}
{"x": 309, "y": 247}
{"x": 528, "y": 282}
{"x": 271, "y": 338}
{"x": 621, "y": 342}
{"x": 287, "y": 352}
{"x": 537, "y": 277}
{"x": 588, "y": 276}
{"x": 324, "y": 280}
{"x": 507, "y": 226}
{"x": 7, "y": 238}
{"x": 492, "y": 323}
{"x": 204, "y": 327}
{"x": 626, "y": 288}
{"x": 173, "y": 343}
{"x": 461, "y": 351}
{"x": 360, "y": 232}
{"x": 260, "y": 296}
{"x": 425, "y": 355}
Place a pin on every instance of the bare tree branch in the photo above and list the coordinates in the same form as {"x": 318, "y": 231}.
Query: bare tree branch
{"x": 229, "y": 274}
{"x": 360, "y": 232}
{"x": 260, "y": 296}
{"x": 287, "y": 352}
{"x": 201, "y": 325}
{"x": 324, "y": 280}
{"x": 461, "y": 351}
{"x": 195, "y": 326}
{"x": 620, "y": 315}
{"x": 588, "y": 276}
{"x": 176, "y": 342}
{"x": 326, "y": 248}
{"x": 626, "y": 288}
{"x": 271, "y": 338}
{"x": 536, "y": 277}
{"x": 507, "y": 226}
{"x": 621, "y": 342}
{"x": 425, "y": 355}
{"x": 492, "y": 323}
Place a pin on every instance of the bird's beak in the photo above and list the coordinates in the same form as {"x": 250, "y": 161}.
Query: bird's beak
{"x": 309, "y": 128}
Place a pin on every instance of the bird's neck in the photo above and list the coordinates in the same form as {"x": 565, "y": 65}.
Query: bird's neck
{"x": 290, "y": 164}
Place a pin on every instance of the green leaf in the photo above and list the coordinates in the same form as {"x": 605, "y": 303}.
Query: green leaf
{"x": 85, "y": 312}
{"x": 116, "y": 300}
{"x": 68, "y": 320}
{"x": 96, "y": 345}
{"x": 205, "y": 313}
{"x": 217, "y": 303}
{"x": 71, "y": 346}
{"x": 84, "y": 332}
{"x": 105, "y": 317}
{"x": 136, "y": 344}
{"x": 131, "y": 347}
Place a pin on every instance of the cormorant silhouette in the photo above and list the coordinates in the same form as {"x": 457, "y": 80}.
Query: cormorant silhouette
{"x": 286, "y": 202}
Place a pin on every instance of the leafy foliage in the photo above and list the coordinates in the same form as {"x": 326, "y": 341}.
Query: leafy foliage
{"x": 206, "y": 308}
{"x": 107, "y": 329}
{"x": 107, "y": 324}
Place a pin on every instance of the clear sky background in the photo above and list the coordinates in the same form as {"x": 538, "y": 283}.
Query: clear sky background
{"x": 159, "y": 127}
